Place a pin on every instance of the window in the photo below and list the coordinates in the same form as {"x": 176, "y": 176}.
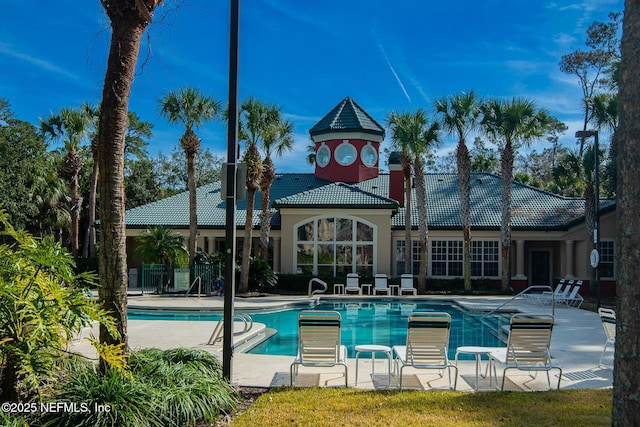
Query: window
{"x": 323, "y": 155}
{"x": 346, "y": 153}
{"x": 446, "y": 258}
{"x": 335, "y": 246}
{"x": 484, "y": 258}
{"x": 415, "y": 256}
{"x": 368, "y": 155}
{"x": 607, "y": 258}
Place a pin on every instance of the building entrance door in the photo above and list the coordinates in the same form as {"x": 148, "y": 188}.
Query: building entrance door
{"x": 540, "y": 268}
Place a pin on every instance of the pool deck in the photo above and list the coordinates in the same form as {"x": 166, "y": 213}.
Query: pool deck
{"x": 576, "y": 345}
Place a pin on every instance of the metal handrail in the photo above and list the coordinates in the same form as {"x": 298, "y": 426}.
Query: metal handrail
{"x": 199, "y": 280}
{"x": 317, "y": 291}
{"x": 530, "y": 288}
{"x": 216, "y": 335}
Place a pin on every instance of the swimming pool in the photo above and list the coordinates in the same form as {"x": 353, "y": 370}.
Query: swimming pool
{"x": 382, "y": 322}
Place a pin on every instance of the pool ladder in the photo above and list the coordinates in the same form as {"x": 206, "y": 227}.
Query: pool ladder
{"x": 216, "y": 335}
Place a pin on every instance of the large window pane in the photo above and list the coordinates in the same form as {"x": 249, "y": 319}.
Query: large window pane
{"x": 305, "y": 254}
{"x": 365, "y": 255}
{"x": 365, "y": 233}
{"x": 326, "y": 229}
{"x": 344, "y": 254}
{"x": 328, "y": 244}
{"x": 344, "y": 230}
{"x": 305, "y": 232}
{"x": 326, "y": 254}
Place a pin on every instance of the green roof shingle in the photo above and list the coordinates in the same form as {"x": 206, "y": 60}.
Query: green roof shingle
{"x": 532, "y": 209}
{"x": 347, "y": 116}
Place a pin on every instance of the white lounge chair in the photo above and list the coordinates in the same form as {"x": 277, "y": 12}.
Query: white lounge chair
{"x": 352, "y": 284}
{"x": 574, "y": 299}
{"x": 546, "y": 297}
{"x": 527, "y": 347}
{"x": 427, "y": 345}
{"x": 406, "y": 284}
{"x": 380, "y": 284}
{"x": 608, "y": 318}
{"x": 319, "y": 342}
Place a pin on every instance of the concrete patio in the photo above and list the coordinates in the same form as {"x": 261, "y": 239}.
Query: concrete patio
{"x": 577, "y": 342}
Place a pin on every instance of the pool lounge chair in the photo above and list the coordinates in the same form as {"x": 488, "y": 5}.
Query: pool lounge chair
{"x": 574, "y": 299}
{"x": 427, "y": 345}
{"x": 406, "y": 284}
{"x": 319, "y": 342}
{"x": 546, "y": 297}
{"x": 381, "y": 284}
{"x": 527, "y": 347}
{"x": 608, "y": 318}
{"x": 352, "y": 284}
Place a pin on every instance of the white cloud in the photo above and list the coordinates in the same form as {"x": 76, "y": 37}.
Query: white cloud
{"x": 8, "y": 50}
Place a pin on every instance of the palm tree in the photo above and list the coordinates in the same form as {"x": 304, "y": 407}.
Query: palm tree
{"x": 191, "y": 108}
{"x": 72, "y": 126}
{"x": 161, "y": 245}
{"x": 460, "y": 114}
{"x": 426, "y": 139}
{"x": 510, "y": 124}
{"x": 256, "y": 123}
{"x": 277, "y": 141}
{"x": 413, "y": 135}
{"x": 93, "y": 115}
{"x": 127, "y": 26}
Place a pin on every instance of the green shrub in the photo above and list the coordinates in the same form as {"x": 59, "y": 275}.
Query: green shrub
{"x": 173, "y": 387}
{"x": 261, "y": 276}
{"x": 42, "y": 305}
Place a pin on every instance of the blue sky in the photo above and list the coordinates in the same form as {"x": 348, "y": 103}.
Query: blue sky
{"x": 305, "y": 56}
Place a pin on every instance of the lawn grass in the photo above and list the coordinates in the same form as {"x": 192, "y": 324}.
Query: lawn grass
{"x": 353, "y": 407}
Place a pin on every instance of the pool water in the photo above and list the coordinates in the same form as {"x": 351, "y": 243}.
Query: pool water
{"x": 383, "y": 322}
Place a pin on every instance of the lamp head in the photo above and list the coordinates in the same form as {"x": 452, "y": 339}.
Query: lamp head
{"x": 586, "y": 133}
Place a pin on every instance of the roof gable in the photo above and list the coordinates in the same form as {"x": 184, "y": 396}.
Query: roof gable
{"x": 347, "y": 116}
{"x": 336, "y": 195}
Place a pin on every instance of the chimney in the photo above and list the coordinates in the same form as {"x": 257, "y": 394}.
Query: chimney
{"x": 396, "y": 178}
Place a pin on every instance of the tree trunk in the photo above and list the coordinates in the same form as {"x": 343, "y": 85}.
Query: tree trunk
{"x": 506, "y": 165}
{"x": 464, "y": 193}
{"x": 423, "y": 223}
{"x": 626, "y": 373}
{"x": 268, "y": 176}
{"x": 89, "y": 247}
{"x": 76, "y": 204}
{"x": 190, "y": 144}
{"x": 127, "y": 26}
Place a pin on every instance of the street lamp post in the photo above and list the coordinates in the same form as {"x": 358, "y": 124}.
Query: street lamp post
{"x": 595, "y": 254}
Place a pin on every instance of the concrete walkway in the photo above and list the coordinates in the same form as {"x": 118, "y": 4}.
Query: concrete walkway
{"x": 578, "y": 339}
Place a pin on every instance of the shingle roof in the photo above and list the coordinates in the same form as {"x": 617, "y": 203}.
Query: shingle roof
{"x": 337, "y": 195}
{"x": 533, "y": 209}
{"x": 347, "y": 116}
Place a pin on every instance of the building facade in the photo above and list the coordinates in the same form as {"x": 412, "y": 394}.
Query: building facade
{"x": 348, "y": 217}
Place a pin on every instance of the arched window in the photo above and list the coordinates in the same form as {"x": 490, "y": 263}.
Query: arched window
{"x": 331, "y": 246}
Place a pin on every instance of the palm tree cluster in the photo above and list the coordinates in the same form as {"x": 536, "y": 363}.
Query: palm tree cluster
{"x": 262, "y": 127}
{"x": 507, "y": 123}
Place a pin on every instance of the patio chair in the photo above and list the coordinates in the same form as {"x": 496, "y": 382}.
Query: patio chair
{"x": 406, "y": 284}
{"x": 608, "y": 318}
{"x": 319, "y": 342}
{"x": 352, "y": 284}
{"x": 527, "y": 347}
{"x": 574, "y": 299}
{"x": 427, "y": 345}
{"x": 546, "y": 297}
{"x": 380, "y": 284}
